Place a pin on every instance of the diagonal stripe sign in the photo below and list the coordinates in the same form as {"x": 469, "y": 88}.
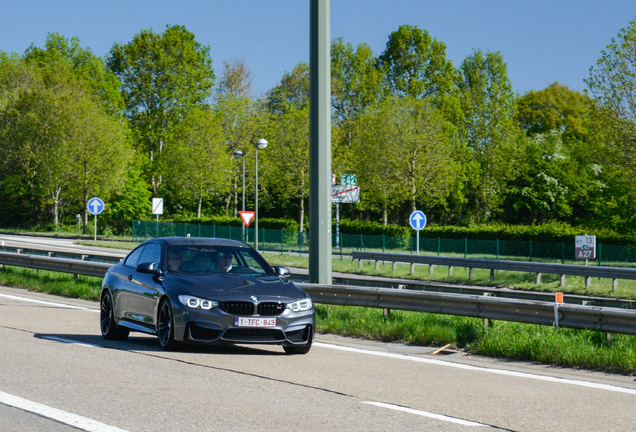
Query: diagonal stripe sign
{"x": 247, "y": 217}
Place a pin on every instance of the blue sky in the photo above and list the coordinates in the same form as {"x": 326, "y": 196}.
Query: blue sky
{"x": 542, "y": 41}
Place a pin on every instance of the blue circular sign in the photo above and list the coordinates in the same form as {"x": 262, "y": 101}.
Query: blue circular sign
{"x": 95, "y": 206}
{"x": 417, "y": 220}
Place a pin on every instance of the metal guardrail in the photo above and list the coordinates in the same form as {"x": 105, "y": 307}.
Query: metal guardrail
{"x": 588, "y": 272}
{"x": 610, "y": 320}
{"x": 40, "y": 262}
{"x": 606, "y": 319}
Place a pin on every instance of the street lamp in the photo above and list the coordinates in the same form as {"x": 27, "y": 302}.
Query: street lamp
{"x": 262, "y": 145}
{"x": 239, "y": 154}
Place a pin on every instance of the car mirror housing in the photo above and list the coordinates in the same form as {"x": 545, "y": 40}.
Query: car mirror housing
{"x": 149, "y": 267}
{"x": 281, "y": 271}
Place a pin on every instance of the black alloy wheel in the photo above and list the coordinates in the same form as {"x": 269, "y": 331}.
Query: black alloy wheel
{"x": 110, "y": 330}
{"x": 165, "y": 326}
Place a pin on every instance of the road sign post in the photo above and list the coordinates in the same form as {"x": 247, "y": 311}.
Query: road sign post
{"x": 418, "y": 222}
{"x": 157, "y": 209}
{"x": 95, "y": 206}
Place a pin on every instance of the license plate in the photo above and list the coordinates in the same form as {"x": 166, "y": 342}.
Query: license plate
{"x": 254, "y": 322}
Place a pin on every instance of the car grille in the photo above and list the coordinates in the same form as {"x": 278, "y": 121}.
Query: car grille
{"x": 254, "y": 335}
{"x": 249, "y": 308}
{"x": 238, "y": 308}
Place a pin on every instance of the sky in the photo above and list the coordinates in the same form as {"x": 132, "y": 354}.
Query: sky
{"x": 542, "y": 41}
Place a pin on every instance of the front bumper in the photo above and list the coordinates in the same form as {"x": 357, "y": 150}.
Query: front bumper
{"x": 216, "y": 326}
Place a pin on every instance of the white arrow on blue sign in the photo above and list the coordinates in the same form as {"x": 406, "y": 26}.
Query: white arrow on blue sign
{"x": 95, "y": 206}
{"x": 417, "y": 220}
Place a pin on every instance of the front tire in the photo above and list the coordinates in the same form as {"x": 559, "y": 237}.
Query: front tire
{"x": 165, "y": 326}
{"x": 110, "y": 330}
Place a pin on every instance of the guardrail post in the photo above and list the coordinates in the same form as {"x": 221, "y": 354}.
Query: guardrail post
{"x": 412, "y": 268}
{"x": 471, "y": 273}
{"x": 588, "y": 281}
{"x": 394, "y": 265}
{"x": 450, "y": 271}
{"x": 359, "y": 263}
{"x": 562, "y": 280}
{"x": 431, "y": 268}
{"x": 487, "y": 322}
{"x": 614, "y": 284}
{"x": 492, "y": 275}
{"x": 377, "y": 265}
{"x": 538, "y": 280}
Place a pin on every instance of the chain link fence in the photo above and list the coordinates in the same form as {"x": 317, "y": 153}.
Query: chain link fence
{"x": 290, "y": 242}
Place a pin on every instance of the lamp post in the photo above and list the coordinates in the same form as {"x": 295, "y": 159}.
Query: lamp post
{"x": 262, "y": 145}
{"x": 239, "y": 154}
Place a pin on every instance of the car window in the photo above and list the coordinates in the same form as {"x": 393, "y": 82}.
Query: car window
{"x": 216, "y": 259}
{"x": 133, "y": 257}
{"x": 152, "y": 254}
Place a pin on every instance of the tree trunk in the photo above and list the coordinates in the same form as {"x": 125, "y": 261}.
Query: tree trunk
{"x": 199, "y": 205}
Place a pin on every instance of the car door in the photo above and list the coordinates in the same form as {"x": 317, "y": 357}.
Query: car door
{"x": 124, "y": 286}
{"x": 145, "y": 289}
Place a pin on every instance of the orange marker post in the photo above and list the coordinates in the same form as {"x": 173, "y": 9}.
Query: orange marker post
{"x": 558, "y": 300}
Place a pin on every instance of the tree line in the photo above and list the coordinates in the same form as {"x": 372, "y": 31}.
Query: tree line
{"x": 152, "y": 119}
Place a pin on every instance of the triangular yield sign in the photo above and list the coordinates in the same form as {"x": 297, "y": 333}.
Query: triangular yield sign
{"x": 247, "y": 217}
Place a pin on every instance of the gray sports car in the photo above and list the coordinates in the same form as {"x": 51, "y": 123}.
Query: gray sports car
{"x": 205, "y": 290}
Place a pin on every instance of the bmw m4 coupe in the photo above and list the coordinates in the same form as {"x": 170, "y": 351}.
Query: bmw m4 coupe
{"x": 205, "y": 290}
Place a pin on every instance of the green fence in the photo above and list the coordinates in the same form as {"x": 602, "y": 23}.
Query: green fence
{"x": 283, "y": 241}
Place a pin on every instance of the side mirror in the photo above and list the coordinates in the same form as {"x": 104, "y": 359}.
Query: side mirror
{"x": 281, "y": 271}
{"x": 150, "y": 268}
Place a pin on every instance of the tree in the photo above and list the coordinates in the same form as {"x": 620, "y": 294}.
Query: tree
{"x": 556, "y": 107}
{"x": 416, "y": 65}
{"x": 163, "y": 77}
{"x": 613, "y": 84}
{"x": 197, "y": 162}
{"x": 240, "y": 119}
{"x": 405, "y": 154}
{"x": 286, "y": 172}
{"x": 356, "y": 83}
{"x": 81, "y": 63}
{"x": 488, "y": 104}
{"x": 236, "y": 81}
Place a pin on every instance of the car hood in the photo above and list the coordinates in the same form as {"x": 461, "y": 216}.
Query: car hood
{"x": 222, "y": 287}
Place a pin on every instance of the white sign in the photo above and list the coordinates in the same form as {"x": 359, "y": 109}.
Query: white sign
{"x": 95, "y": 206}
{"x": 417, "y": 220}
{"x": 585, "y": 247}
{"x": 247, "y": 217}
{"x": 345, "y": 194}
{"x": 157, "y": 206}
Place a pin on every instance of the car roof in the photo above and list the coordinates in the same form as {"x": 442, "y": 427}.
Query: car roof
{"x": 197, "y": 241}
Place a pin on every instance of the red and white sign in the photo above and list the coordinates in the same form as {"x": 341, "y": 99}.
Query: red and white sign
{"x": 247, "y": 216}
{"x": 254, "y": 322}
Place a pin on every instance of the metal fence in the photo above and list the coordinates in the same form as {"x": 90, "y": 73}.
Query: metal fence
{"x": 344, "y": 244}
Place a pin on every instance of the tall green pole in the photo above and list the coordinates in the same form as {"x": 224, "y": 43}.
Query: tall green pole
{"x": 320, "y": 144}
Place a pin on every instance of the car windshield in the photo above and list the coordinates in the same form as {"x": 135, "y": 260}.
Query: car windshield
{"x": 203, "y": 259}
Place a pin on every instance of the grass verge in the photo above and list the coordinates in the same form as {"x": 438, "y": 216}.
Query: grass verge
{"x": 563, "y": 347}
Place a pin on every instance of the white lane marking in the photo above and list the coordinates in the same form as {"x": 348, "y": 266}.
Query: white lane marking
{"x": 425, "y": 414}
{"x": 70, "y": 341}
{"x": 62, "y": 305}
{"x": 70, "y": 419}
{"x": 593, "y": 385}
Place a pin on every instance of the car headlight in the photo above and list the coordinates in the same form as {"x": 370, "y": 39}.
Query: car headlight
{"x": 197, "y": 303}
{"x": 301, "y": 305}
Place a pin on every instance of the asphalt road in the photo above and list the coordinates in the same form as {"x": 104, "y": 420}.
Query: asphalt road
{"x": 58, "y": 374}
